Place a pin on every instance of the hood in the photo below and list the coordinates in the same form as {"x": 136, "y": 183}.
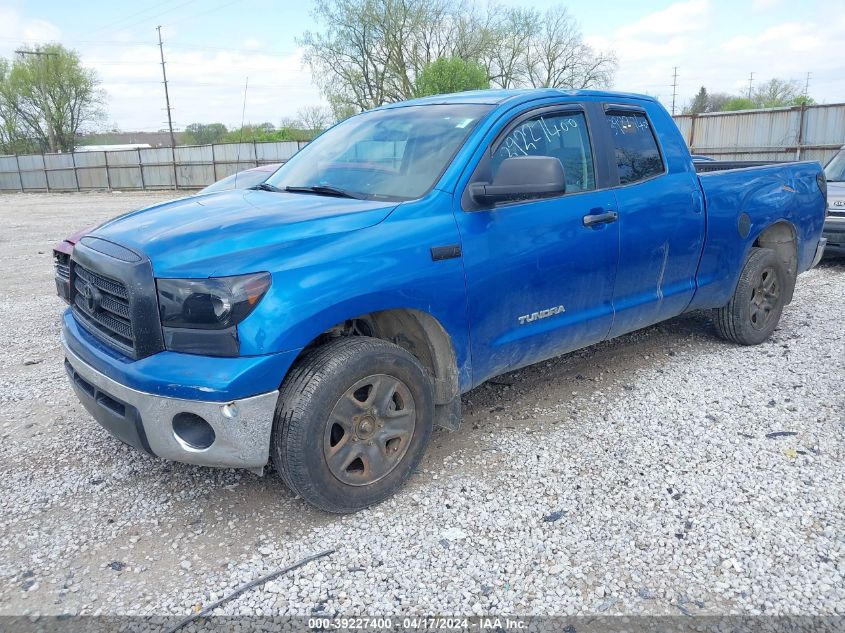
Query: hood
{"x": 836, "y": 196}
{"x": 195, "y": 236}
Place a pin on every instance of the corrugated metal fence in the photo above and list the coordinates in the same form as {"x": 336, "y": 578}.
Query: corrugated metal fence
{"x": 798, "y": 133}
{"x": 186, "y": 167}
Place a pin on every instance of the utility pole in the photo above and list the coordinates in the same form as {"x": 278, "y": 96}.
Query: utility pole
{"x": 674, "y": 89}
{"x": 807, "y": 86}
{"x": 750, "y": 81}
{"x": 167, "y": 100}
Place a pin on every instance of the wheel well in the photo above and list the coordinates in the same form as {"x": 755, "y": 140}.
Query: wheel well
{"x": 415, "y": 331}
{"x": 781, "y": 238}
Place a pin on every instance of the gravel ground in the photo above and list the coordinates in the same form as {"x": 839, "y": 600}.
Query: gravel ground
{"x": 664, "y": 472}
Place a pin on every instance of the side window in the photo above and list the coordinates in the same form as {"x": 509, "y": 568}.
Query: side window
{"x": 637, "y": 156}
{"x": 561, "y": 135}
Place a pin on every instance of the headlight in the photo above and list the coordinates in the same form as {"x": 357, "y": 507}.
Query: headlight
{"x": 200, "y": 316}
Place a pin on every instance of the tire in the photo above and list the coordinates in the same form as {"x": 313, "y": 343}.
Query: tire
{"x": 753, "y": 312}
{"x": 353, "y": 421}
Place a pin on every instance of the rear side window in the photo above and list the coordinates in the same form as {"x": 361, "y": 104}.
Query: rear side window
{"x": 637, "y": 155}
{"x": 561, "y": 135}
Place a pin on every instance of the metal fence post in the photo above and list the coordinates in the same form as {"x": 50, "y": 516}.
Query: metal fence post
{"x": 693, "y": 119}
{"x": 46, "y": 173}
{"x": 75, "y": 171}
{"x": 108, "y": 176}
{"x": 20, "y": 175}
{"x": 175, "y": 175}
{"x": 800, "y": 132}
{"x": 141, "y": 171}
{"x": 214, "y": 163}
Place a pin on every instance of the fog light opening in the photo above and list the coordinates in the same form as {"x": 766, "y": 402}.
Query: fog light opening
{"x": 192, "y": 431}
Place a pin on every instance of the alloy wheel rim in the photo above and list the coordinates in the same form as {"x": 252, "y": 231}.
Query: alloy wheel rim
{"x": 764, "y": 298}
{"x": 369, "y": 430}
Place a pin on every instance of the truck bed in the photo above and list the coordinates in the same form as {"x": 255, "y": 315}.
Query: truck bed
{"x": 740, "y": 203}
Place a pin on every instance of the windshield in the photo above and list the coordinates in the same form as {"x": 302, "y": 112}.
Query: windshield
{"x": 241, "y": 180}
{"x": 394, "y": 154}
{"x": 835, "y": 170}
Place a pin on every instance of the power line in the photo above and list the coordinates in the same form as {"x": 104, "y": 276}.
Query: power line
{"x": 214, "y": 84}
{"x": 129, "y": 18}
{"x": 126, "y": 17}
{"x": 37, "y": 53}
{"x": 131, "y": 43}
{"x": 194, "y": 16}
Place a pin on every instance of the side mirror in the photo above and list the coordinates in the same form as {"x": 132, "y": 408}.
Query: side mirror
{"x": 520, "y": 178}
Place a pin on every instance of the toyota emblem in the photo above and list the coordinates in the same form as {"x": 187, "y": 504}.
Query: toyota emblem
{"x": 91, "y": 297}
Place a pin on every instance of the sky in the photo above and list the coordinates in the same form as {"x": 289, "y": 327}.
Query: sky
{"x": 213, "y": 47}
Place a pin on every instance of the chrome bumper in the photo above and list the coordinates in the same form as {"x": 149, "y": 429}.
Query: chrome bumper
{"x": 241, "y": 427}
{"x": 819, "y": 252}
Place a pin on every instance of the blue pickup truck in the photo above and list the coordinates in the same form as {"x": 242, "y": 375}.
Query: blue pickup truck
{"x": 328, "y": 318}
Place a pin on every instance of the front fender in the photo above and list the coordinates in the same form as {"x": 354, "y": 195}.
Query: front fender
{"x": 317, "y": 285}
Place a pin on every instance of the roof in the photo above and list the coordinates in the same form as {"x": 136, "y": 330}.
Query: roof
{"x": 498, "y": 96}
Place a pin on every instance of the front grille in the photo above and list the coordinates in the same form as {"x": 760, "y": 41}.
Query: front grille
{"x": 102, "y": 306}
{"x": 62, "y": 263}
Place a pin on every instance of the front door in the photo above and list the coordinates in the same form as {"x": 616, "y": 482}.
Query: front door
{"x": 539, "y": 277}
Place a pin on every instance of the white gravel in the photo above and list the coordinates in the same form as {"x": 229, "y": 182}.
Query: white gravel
{"x": 638, "y": 476}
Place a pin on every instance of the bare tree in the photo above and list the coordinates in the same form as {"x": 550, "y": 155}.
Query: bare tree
{"x": 371, "y": 51}
{"x": 314, "y": 118}
{"x": 776, "y": 93}
{"x": 558, "y": 57}
{"x": 506, "y": 57}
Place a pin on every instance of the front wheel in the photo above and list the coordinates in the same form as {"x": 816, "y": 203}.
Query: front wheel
{"x": 353, "y": 421}
{"x": 753, "y": 312}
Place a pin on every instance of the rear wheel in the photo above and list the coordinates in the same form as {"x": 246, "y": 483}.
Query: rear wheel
{"x": 753, "y": 312}
{"x": 353, "y": 420}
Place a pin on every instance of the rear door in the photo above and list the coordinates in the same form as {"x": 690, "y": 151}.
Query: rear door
{"x": 661, "y": 219}
{"x": 539, "y": 279}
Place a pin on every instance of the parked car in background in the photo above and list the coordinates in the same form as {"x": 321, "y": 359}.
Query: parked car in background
{"x": 329, "y": 317}
{"x": 62, "y": 250}
{"x": 834, "y": 226}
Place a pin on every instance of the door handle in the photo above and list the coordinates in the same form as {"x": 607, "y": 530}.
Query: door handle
{"x": 594, "y": 219}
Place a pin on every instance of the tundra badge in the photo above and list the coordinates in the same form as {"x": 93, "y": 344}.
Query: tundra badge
{"x": 542, "y": 314}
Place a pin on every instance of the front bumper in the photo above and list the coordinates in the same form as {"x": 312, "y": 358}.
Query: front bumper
{"x": 242, "y": 428}
{"x": 834, "y": 232}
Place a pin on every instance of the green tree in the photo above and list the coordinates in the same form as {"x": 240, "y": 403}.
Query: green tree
{"x": 802, "y": 100}
{"x": 700, "y": 103}
{"x": 738, "y": 103}
{"x": 47, "y": 97}
{"x": 450, "y": 74}
{"x": 14, "y": 138}
{"x": 203, "y": 133}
